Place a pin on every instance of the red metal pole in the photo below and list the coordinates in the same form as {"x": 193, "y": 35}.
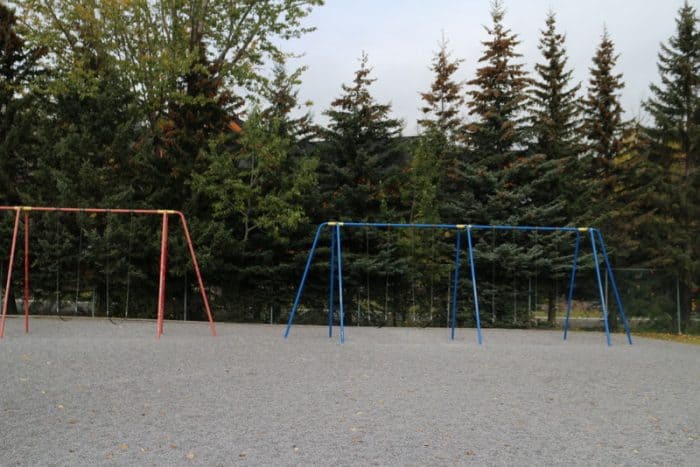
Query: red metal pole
{"x": 163, "y": 266}
{"x": 95, "y": 210}
{"x": 199, "y": 275}
{"x": 26, "y": 271}
{"x": 6, "y": 296}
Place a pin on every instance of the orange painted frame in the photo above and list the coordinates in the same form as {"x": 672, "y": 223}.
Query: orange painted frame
{"x": 163, "y": 258}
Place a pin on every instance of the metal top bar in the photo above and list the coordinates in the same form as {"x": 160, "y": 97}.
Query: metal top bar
{"x": 457, "y": 226}
{"x": 94, "y": 210}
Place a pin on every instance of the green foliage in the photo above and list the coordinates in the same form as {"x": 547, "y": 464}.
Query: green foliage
{"x": 603, "y": 125}
{"x": 361, "y": 175}
{"x": 188, "y": 105}
{"x": 672, "y": 145}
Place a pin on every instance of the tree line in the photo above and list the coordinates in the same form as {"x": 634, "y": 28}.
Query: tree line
{"x": 174, "y": 104}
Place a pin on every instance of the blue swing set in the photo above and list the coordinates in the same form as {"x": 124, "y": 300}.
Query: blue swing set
{"x": 336, "y": 270}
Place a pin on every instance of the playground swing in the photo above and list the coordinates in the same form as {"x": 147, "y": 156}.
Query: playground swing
{"x": 79, "y": 257}
{"x": 57, "y": 263}
{"x": 109, "y": 270}
{"x": 596, "y": 239}
{"x": 24, "y": 211}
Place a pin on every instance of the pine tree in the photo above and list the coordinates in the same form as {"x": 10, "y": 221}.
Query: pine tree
{"x": 437, "y": 157}
{"x": 497, "y": 98}
{"x": 674, "y": 147}
{"x": 497, "y": 140}
{"x": 363, "y": 152}
{"x": 443, "y": 103}
{"x": 603, "y": 126}
{"x": 554, "y": 105}
{"x": 361, "y": 164}
{"x": 604, "y": 131}
{"x": 436, "y": 180}
{"x": 282, "y": 95}
{"x": 554, "y": 119}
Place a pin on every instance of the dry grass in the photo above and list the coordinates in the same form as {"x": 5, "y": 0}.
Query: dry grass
{"x": 682, "y": 338}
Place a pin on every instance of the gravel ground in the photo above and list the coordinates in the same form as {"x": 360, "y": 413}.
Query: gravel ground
{"x": 87, "y": 392}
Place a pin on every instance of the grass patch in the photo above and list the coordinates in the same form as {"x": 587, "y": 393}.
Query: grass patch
{"x": 682, "y": 338}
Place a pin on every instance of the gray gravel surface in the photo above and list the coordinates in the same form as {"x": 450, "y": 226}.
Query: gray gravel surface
{"x": 87, "y": 392}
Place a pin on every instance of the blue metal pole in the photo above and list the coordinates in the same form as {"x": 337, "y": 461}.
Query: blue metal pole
{"x": 331, "y": 299}
{"x": 303, "y": 279}
{"x": 340, "y": 285}
{"x": 460, "y": 226}
{"x": 571, "y": 285}
{"x": 453, "y": 321}
{"x": 476, "y": 295}
{"x": 600, "y": 287}
{"x": 614, "y": 286}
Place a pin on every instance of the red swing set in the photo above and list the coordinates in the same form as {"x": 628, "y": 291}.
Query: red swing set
{"x": 19, "y": 210}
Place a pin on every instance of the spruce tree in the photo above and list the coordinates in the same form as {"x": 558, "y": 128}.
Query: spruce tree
{"x": 437, "y": 153}
{"x": 362, "y": 152}
{"x": 436, "y": 182}
{"x": 602, "y": 125}
{"x": 443, "y": 103}
{"x": 554, "y": 119}
{"x": 604, "y": 131}
{"x": 497, "y": 97}
{"x": 554, "y": 106}
{"x": 497, "y": 142}
{"x": 674, "y": 147}
{"x": 361, "y": 164}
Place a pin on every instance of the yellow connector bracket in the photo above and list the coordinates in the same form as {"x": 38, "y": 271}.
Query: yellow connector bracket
{"x": 26, "y": 208}
{"x": 583, "y": 229}
{"x": 166, "y": 211}
{"x": 461, "y": 226}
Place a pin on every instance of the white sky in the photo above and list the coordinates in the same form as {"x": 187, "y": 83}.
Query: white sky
{"x": 401, "y": 37}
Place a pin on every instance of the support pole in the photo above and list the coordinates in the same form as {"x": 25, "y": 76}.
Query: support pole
{"x": 616, "y": 292}
{"x": 678, "y": 305}
{"x": 26, "y": 271}
{"x": 303, "y": 280}
{"x": 571, "y": 284}
{"x": 600, "y": 287}
{"x": 340, "y": 284}
{"x": 195, "y": 263}
{"x": 163, "y": 267}
{"x": 455, "y": 287}
{"x": 479, "y": 338}
{"x": 331, "y": 298}
{"x": 8, "y": 282}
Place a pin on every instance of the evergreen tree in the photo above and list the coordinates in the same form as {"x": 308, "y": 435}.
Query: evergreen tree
{"x": 437, "y": 160}
{"x": 282, "y": 95}
{"x": 497, "y": 97}
{"x": 295, "y": 123}
{"x": 554, "y": 106}
{"x": 85, "y": 157}
{"x": 362, "y": 161}
{"x": 554, "y": 119}
{"x": 363, "y": 151}
{"x": 674, "y": 147}
{"x": 436, "y": 181}
{"x": 18, "y": 113}
{"x": 602, "y": 125}
{"x": 604, "y": 131}
{"x": 443, "y": 103}
{"x": 497, "y": 139}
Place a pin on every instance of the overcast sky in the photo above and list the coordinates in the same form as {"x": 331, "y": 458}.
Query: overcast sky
{"x": 401, "y": 37}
